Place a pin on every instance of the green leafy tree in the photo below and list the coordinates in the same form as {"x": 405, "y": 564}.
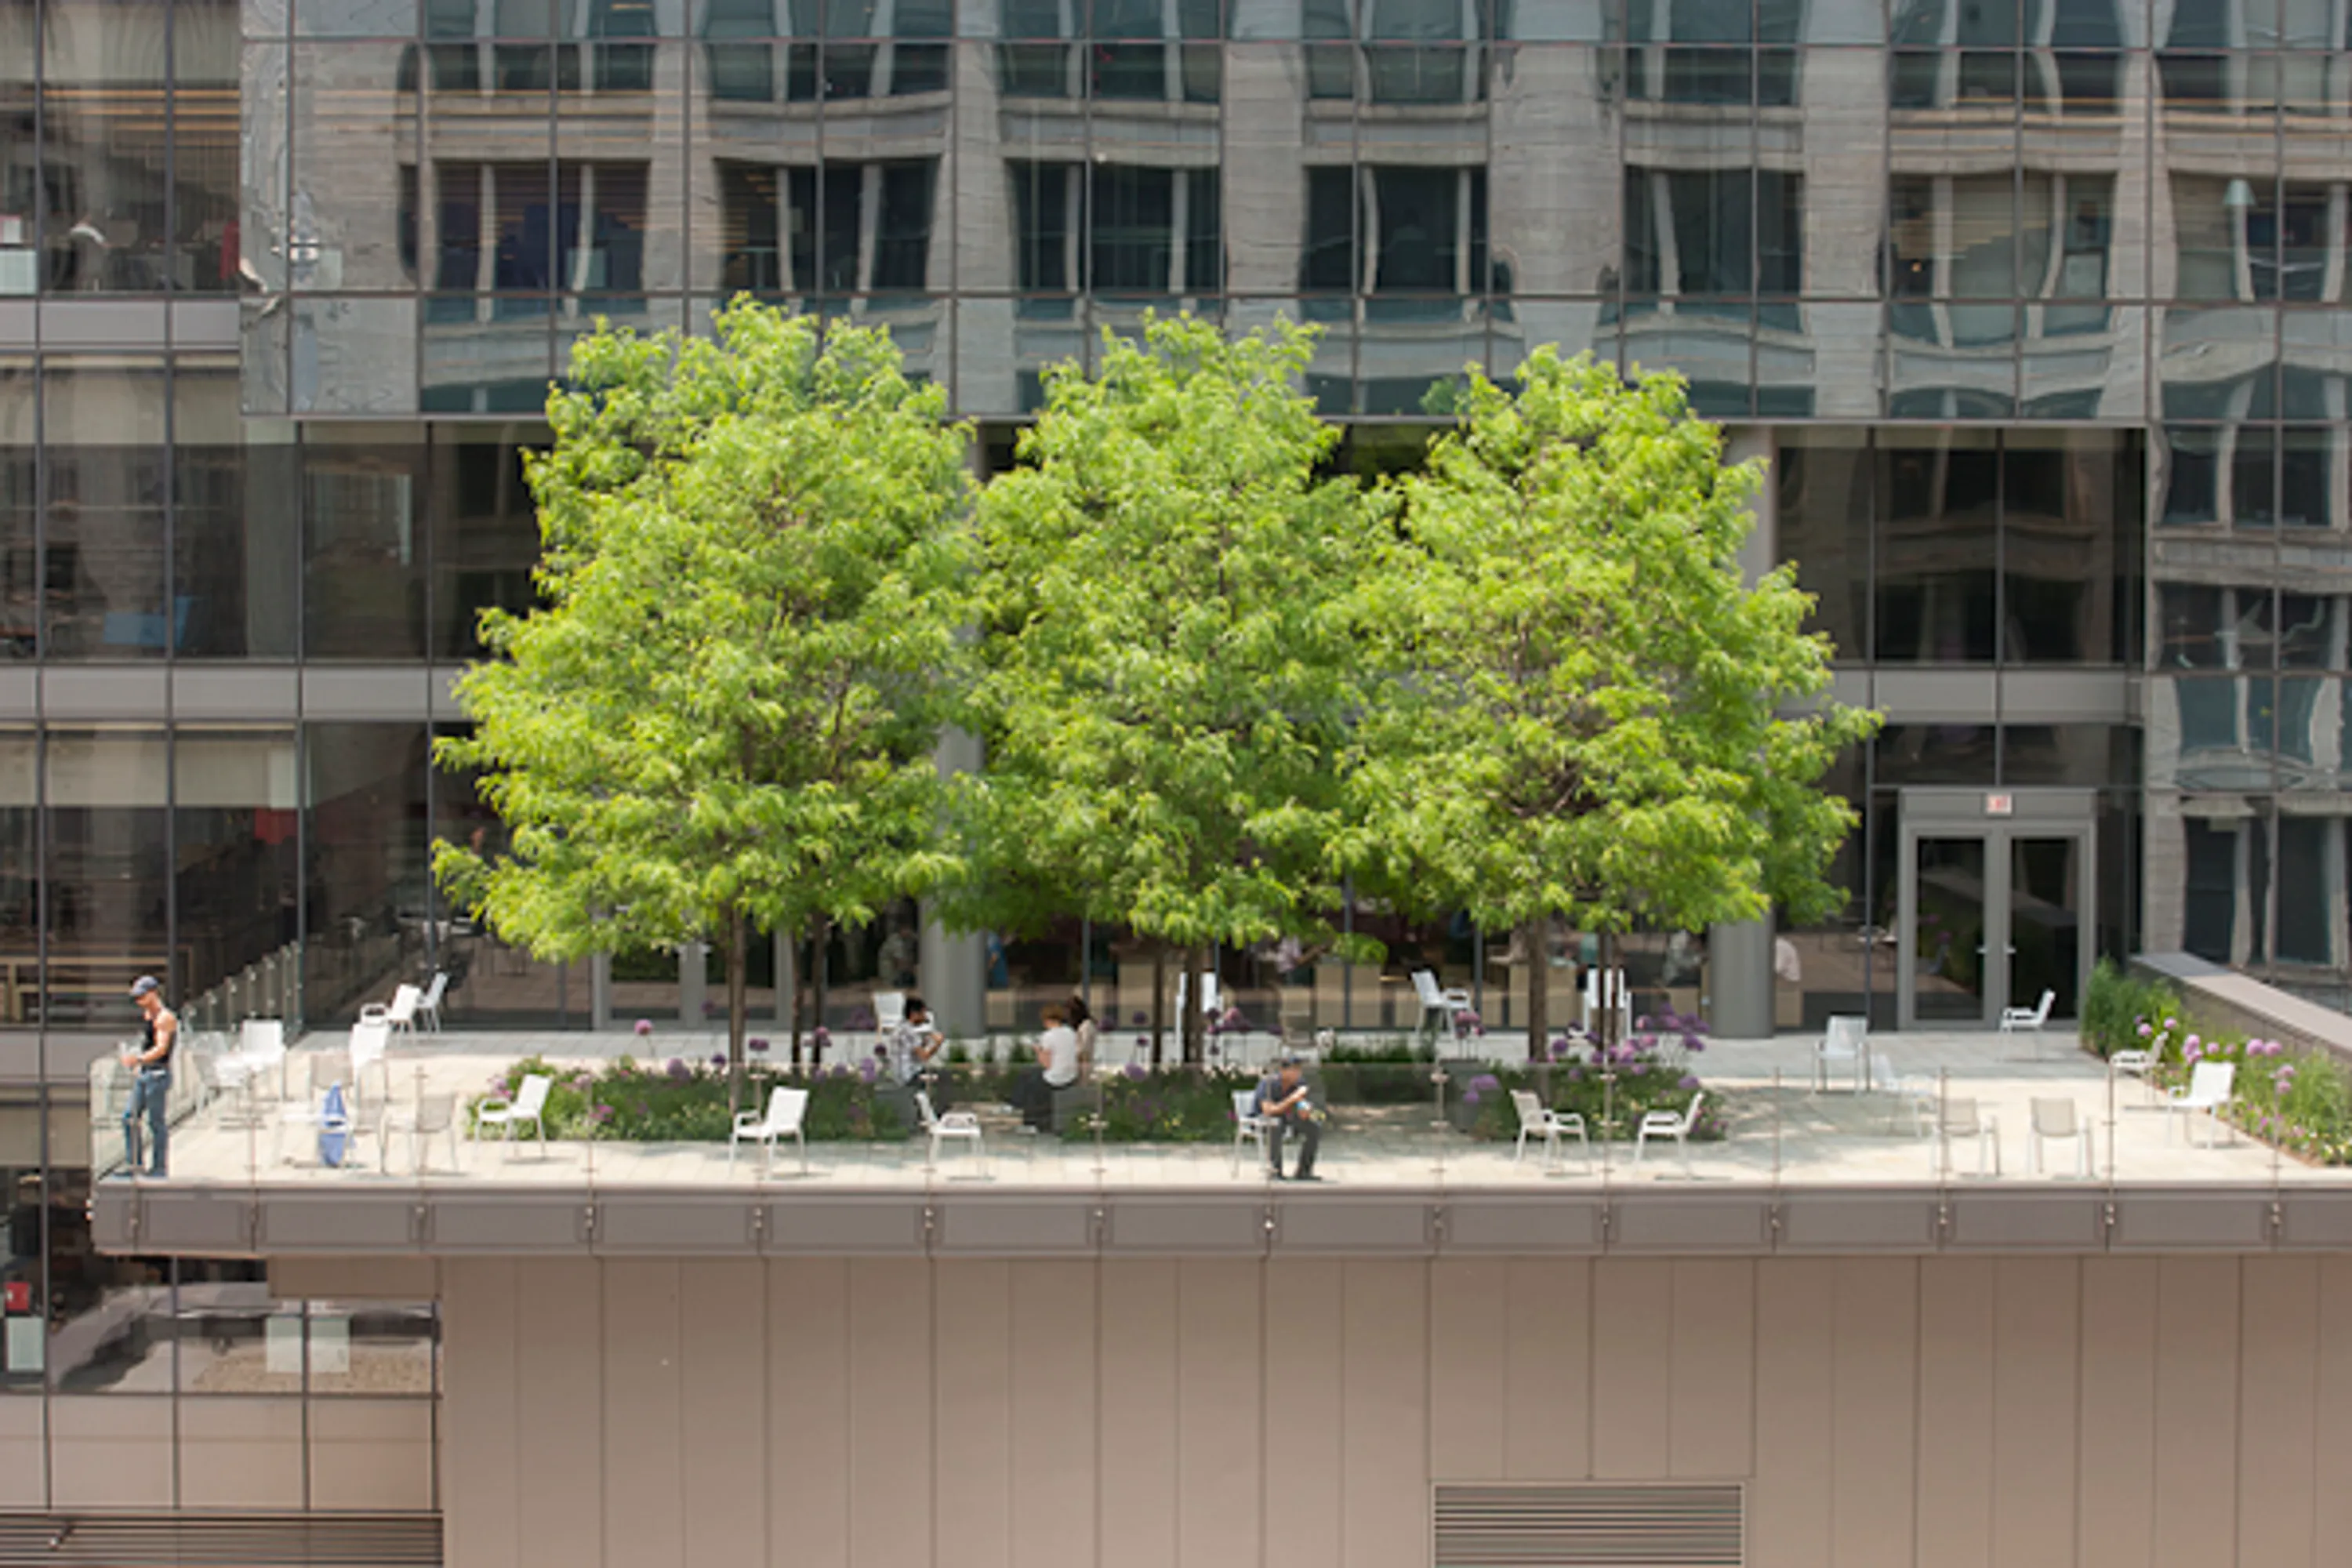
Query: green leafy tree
{"x": 1170, "y": 663}
{"x": 723, "y": 715}
{"x": 1602, "y": 721}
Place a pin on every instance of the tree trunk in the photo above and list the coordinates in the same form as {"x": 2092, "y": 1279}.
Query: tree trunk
{"x": 1196, "y": 963}
{"x": 818, "y": 943}
{"x": 1535, "y": 941}
{"x": 1158, "y": 999}
{"x": 737, "y": 1005}
{"x": 797, "y": 973}
{"x": 1611, "y": 1001}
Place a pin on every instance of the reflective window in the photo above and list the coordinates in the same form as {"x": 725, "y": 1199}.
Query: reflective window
{"x": 104, "y": 563}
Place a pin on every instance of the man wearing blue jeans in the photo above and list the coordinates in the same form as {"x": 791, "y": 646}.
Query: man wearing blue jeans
{"x": 150, "y": 1089}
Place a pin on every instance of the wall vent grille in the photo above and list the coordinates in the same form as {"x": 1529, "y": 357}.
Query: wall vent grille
{"x": 219, "y": 1541}
{"x": 1590, "y": 1527}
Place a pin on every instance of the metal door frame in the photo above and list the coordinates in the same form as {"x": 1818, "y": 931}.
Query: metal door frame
{"x": 1947, "y": 813}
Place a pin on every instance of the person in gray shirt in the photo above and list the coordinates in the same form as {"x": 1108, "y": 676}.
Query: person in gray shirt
{"x": 1281, "y": 1099}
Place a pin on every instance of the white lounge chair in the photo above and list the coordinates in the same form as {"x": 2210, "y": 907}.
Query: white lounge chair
{"x": 1249, "y": 1127}
{"x": 529, "y": 1104}
{"x": 2211, "y": 1084}
{"x": 402, "y": 1014}
{"x": 1551, "y": 1126}
{"x": 956, "y": 1125}
{"x": 786, "y": 1107}
{"x": 1208, "y": 995}
{"x": 428, "y": 1007}
{"x": 1669, "y": 1124}
{"x": 1842, "y": 1048}
{"x": 1434, "y": 998}
{"x": 2055, "y": 1119}
{"x": 2017, "y": 1020}
{"x": 1964, "y": 1120}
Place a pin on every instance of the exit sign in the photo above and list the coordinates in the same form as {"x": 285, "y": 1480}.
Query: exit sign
{"x": 1999, "y": 804}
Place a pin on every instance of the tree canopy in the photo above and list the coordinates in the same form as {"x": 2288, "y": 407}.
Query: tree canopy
{"x": 722, "y": 714}
{"x": 1591, "y": 714}
{"x": 1170, "y": 662}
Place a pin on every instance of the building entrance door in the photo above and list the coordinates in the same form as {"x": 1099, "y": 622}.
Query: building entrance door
{"x": 1994, "y": 904}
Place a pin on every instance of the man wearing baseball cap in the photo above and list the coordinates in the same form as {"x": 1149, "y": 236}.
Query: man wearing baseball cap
{"x": 152, "y": 1088}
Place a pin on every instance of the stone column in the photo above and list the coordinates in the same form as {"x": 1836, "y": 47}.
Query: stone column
{"x": 600, "y": 993}
{"x": 1740, "y": 953}
{"x": 952, "y": 966}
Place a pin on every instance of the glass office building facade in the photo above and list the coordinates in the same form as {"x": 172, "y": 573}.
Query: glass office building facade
{"x": 2038, "y": 310}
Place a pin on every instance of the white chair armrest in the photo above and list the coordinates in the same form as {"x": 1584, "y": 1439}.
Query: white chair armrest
{"x": 749, "y": 1122}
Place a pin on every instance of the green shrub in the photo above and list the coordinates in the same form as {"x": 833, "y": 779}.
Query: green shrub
{"x": 683, "y": 1102}
{"x": 2116, "y": 1004}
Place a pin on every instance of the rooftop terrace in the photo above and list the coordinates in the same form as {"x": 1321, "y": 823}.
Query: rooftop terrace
{"x": 1798, "y": 1168}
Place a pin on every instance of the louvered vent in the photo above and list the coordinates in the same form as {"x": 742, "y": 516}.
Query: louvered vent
{"x": 219, "y": 1541}
{"x": 1590, "y": 1527}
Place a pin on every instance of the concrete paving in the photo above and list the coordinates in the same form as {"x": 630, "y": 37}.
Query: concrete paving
{"x": 1779, "y": 1129}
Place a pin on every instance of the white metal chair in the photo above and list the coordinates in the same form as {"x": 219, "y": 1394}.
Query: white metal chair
{"x": 953, "y": 1126}
{"x": 1434, "y": 998}
{"x": 1964, "y": 1120}
{"x": 529, "y": 1104}
{"x": 889, "y": 1010}
{"x": 2055, "y": 1119}
{"x": 2211, "y": 1084}
{"x": 1549, "y": 1125}
{"x": 1842, "y": 1048}
{"x": 428, "y": 1007}
{"x": 432, "y": 1114}
{"x": 786, "y": 1107}
{"x": 1915, "y": 1091}
{"x": 402, "y": 1014}
{"x": 1249, "y": 1127}
{"x": 2134, "y": 1063}
{"x": 261, "y": 1053}
{"x": 323, "y": 1071}
{"x": 1669, "y": 1124}
{"x": 368, "y": 1039}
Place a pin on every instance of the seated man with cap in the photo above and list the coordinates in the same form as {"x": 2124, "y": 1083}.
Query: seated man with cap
{"x": 151, "y": 1090}
{"x": 1281, "y": 1098}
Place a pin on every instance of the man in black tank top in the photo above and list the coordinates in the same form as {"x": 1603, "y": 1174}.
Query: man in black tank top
{"x": 151, "y": 1087}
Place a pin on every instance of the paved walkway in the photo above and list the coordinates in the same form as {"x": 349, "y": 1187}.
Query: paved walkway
{"x": 1779, "y": 1130}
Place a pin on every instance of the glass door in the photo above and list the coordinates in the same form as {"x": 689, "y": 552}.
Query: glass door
{"x": 2046, "y": 922}
{"x": 1949, "y": 946}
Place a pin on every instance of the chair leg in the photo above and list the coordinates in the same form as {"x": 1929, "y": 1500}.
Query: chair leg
{"x": 800, "y": 1138}
{"x": 1682, "y": 1147}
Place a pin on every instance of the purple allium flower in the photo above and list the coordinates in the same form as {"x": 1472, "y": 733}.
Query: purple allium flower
{"x": 2146, "y": 1028}
{"x": 1689, "y": 1080}
{"x": 2194, "y": 1043}
{"x": 600, "y": 1114}
{"x": 866, "y": 1070}
{"x": 820, "y": 1038}
{"x": 719, "y": 1060}
{"x": 644, "y": 1027}
{"x": 2172, "y": 1023}
{"x": 1142, "y": 1017}
{"x": 1485, "y": 1083}
{"x": 1135, "y": 1072}
{"x": 1576, "y": 1075}
{"x": 756, "y": 1043}
{"x": 881, "y": 1053}
{"x": 1143, "y": 1042}
{"x": 678, "y": 1069}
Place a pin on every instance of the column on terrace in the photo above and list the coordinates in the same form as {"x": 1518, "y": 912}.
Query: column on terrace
{"x": 953, "y": 965}
{"x": 1740, "y": 952}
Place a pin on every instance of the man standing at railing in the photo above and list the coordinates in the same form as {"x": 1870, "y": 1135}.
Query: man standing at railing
{"x": 150, "y": 1089}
